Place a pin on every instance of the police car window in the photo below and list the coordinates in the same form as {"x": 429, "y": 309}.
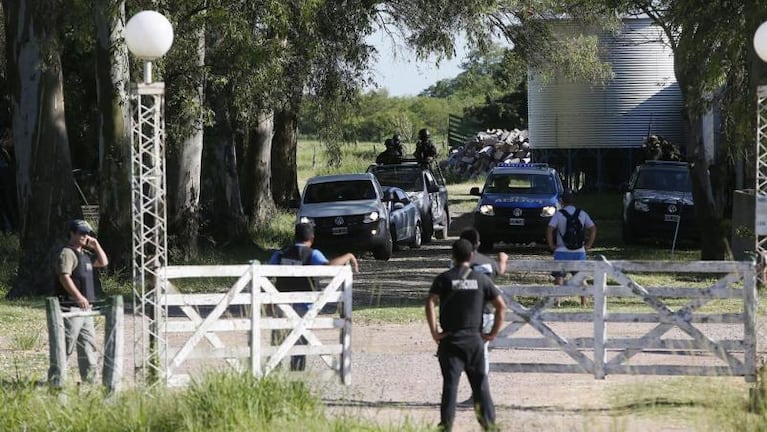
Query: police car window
{"x": 339, "y": 191}
{"x": 521, "y": 183}
{"x": 430, "y": 180}
{"x": 408, "y": 179}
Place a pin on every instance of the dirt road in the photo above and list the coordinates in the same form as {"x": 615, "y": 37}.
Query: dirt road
{"x": 396, "y": 380}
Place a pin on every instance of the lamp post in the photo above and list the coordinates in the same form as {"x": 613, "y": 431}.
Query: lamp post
{"x": 149, "y": 36}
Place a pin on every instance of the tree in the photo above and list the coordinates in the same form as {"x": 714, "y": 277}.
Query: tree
{"x": 44, "y": 169}
{"x": 114, "y": 134}
{"x": 712, "y": 49}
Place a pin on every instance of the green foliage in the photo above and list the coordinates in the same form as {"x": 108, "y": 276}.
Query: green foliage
{"x": 220, "y": 401}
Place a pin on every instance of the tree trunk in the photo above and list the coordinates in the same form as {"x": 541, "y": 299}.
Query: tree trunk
{"x": 185, "y": 206}
{"x": 284, "y": 148}
{"x": 222, "y": 184}
{"x": 112, "y": 80}
{"x": 44, "y": 168}
{"x": 260, "y": 205}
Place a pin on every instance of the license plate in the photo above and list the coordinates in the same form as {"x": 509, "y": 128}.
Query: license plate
{"x": 516, "y": 221}
{"x": 340, "y": 230}
{"x": 671, "y": 218}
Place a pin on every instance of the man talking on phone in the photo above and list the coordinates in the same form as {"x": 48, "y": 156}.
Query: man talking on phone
{"x": 75, "y": 287}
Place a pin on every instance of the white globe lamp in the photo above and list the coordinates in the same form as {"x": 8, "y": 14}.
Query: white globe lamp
{"x": 760, "y": 41}
{"x": 149, "y": 36}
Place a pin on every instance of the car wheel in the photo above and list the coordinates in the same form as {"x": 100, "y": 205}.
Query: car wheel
{"x": 627, "y": 235}
{"x": 417, "y": 237}
{"x": 442, "y": 234}
{"x": 383, "y": 252}
{"x": 394, "y": 244}
{"x": 485, "y": 244}
{"x": 428, "y": 228}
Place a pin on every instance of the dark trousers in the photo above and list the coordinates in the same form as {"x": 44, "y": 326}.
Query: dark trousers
{"x": 464, "y": 354}
{"x": 297, "y": 362}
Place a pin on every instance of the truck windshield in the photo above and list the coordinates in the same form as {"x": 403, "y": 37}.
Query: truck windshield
{"x": 537, "y": 184}
{"x": 664, "y": 180}
{"x": 339, "y": 191}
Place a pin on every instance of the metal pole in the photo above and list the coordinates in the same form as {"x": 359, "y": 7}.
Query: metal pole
{"x": 149, "y": 225}
{"x": 760, "y": 191}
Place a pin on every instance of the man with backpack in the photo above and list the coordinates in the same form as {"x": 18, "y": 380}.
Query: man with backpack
{"x": 302, "y": 253}
{"x": 570, "y": 233}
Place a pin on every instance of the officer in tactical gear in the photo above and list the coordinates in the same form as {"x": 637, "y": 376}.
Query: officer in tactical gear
{"x": 425, "y": 151}
{"x": 391, "y": 155}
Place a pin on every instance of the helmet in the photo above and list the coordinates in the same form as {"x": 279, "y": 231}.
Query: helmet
{"x": 396, "y": 138}
{"x": 388, "y": 143}
{"x": 423, "y": 134}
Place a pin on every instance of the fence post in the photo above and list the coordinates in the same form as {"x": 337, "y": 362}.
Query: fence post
{"x": 255, "y": 321}
{"x": 600, "y": 310}
{"x": 113, "y": 345}
{"x": 57, "y": 371}
{"x": 749, "y": 322}
{"x": 346, "y": 332}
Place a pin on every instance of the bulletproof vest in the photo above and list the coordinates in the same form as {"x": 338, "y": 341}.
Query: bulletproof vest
{"x": 82, "y": 276}
{"x": 295, "y": 255}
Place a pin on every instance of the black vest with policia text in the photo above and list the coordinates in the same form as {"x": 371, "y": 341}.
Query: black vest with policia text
{"x": 82, "y": 276}
{"x": 295, "y": 255}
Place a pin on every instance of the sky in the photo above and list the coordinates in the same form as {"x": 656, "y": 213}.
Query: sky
{"x": 400, "y": 73}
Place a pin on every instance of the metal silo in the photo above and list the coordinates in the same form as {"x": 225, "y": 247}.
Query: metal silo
{"x": 585, "y": 126}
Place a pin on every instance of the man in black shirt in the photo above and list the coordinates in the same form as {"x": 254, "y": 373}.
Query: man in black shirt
{"x": 461, "y": 294}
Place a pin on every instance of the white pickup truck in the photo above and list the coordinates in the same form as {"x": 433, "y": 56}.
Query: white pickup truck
{"x": 349, "y": 212}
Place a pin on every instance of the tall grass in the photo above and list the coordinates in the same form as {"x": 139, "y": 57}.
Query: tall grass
{"x": 218, "y": 402}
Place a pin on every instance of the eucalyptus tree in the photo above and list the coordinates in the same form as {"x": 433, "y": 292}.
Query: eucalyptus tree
{"x": 112, "y": 73}
{"x": 44, "y": 170}
{"x": 714, "y": 62}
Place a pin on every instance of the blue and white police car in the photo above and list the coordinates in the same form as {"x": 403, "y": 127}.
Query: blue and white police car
{"x": 516, "y": 203}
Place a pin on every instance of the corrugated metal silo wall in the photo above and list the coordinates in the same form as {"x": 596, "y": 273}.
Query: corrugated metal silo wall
{"x": 643, "y": 97}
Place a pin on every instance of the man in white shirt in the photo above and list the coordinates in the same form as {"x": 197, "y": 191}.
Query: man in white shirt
{"x": 558, "y": 245}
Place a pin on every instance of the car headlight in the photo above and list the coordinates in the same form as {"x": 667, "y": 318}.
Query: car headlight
{"x": 306, "y": 220}
{"x": 371, "y": 217}
{"x": 487, "y": 210}
{"x": 548, "y": 211}
{"x": 641, "y": 206}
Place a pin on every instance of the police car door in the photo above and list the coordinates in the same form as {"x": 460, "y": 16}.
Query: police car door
{"x": 432, "y": 188}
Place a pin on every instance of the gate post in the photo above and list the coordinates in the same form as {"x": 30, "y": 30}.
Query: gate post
{"x": 113, "y": 345}
{"x": 57, "y": 371}
{"x": 600, "y": 310}
{"x": 749, "y": 322}
{"x": 346, "y": 332}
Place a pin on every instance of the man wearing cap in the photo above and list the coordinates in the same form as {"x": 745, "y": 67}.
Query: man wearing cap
{"x": 75, "y": 288}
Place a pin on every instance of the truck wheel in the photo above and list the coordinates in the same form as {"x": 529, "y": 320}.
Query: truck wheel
{"x": 383, "y": 252}
{"x": 428, "y": 228}
{"x": 417, "y": 238}
{"x": 442, "y": 234}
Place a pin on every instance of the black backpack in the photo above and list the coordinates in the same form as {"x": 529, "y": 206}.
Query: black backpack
{"x": 295, "y": 255}
{"x": 573, "y": 237}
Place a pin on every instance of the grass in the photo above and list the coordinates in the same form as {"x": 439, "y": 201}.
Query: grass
{"x": 218, "y": 402}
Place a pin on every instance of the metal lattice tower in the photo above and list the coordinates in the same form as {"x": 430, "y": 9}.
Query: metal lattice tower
{"x": 149, "y": 227}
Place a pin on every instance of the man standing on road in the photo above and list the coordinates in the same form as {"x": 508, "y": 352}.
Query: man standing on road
{"x": 301, "y": 253}
{"x": 575, "y": 234}
{"x": 75, "y": 287}
{"x": 461, "y": 294}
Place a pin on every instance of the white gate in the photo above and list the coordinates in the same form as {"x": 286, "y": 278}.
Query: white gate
{"x": 226, "y": 327}
{"x": 666, "y": 327}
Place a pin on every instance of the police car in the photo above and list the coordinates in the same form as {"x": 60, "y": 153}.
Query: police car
{"x": 516, "y": 203}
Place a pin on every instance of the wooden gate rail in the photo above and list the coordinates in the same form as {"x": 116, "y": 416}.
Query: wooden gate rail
{"x": 111, "y": 375}
{"x": 591, "y": 280}
{"x": 253, "y": 290}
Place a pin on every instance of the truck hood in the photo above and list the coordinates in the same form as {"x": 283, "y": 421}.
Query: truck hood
{"x": 668, "y": 197}
{"x": 522, "y": 201}
{"x": 343, "y": 208}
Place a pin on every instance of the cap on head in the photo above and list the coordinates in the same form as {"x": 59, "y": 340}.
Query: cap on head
{"x": 304, "y": 232}
{"x": 80, "y": 226}
{"x": 462, "y": 250}
{"x": 472, "y": 235}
